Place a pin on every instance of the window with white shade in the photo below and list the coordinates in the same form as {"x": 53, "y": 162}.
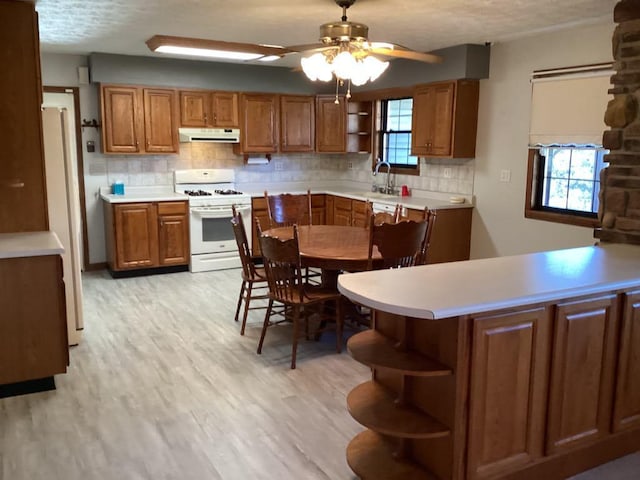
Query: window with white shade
{"x": 565, "y": 143}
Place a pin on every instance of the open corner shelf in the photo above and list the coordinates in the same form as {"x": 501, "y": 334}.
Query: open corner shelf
{"x": 375, "y": 350}
{"x": 375, "y": 407}
{"x": 371, "y": 456}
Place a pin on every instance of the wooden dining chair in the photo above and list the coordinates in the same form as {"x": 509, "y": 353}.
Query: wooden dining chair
{"x": 287, "y": 287}
{"x": 382, "y": 217}
{"x": 287, "y": 209}
{"x": 399, "y": 244}
{"x": 254, "y": 278}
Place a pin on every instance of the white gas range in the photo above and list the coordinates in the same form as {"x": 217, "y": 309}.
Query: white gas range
{"x": 211, "y": 193}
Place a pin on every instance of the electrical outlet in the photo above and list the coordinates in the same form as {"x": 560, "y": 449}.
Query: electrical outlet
{"x": 505, "y": 175}
{"x": 447, "y": 172}
{"x": 278, "y": 166}
{"x": 350, "y": 165}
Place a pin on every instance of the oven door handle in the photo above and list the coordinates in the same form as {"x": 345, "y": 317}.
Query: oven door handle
{"x": 222, "y": 212}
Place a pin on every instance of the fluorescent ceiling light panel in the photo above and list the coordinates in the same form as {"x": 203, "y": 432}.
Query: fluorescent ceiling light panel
{"x": 204, "y": 52}
{"x": 215, "y": 48}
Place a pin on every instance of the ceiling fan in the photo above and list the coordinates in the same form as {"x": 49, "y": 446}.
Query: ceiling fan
{"x": 344, "y": 51}
{"x": 354, "y": 36}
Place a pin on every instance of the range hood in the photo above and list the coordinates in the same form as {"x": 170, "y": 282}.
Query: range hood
{"x": 213, "y": 135}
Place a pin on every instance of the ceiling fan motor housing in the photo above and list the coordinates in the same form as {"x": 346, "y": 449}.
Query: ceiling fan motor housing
{"x": 343, "y": 32}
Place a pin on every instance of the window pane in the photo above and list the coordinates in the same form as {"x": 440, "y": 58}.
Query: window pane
{"x": 395, "y": 145}
{"x": 404, "y": 122}
{"x": 558, "y": 162}
{"x": 580, "y": 195}
{"x": 583, "y": 164}
{"x": 406, "y": 106}
{"x": 556, "y": 194}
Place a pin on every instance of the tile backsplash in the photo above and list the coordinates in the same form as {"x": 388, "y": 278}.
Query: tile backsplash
{"x": 436, "y": 175}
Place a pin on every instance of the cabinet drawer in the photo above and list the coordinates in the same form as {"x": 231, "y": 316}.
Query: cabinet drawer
{"x": 172, "y": 208}
{"x": 340, "y": 203}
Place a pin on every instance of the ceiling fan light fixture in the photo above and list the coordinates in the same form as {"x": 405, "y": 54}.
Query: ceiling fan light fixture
{"x": 316, "y": 67}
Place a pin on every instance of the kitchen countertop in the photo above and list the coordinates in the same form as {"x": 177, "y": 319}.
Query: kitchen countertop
{"x": 434, "y": 201}
{"x": 162, "y": 193}
{"x": 29, "y": 244}
{"x": 475, "y": 286}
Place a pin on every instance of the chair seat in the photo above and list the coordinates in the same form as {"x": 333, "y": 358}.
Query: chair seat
{"x": 311, "y": 294}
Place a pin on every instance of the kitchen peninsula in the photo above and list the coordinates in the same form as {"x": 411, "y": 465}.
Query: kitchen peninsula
{"x": 515, "y": 367}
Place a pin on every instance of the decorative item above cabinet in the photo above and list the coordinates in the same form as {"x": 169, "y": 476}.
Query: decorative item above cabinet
{"x": 138, "y": 120}
{"x": 445, "y": 119}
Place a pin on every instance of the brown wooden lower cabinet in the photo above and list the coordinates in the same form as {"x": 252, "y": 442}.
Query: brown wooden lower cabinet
{"x": 146, "y": 234}
{"x": 33, "y": 323}
{"x": 537, "y": 391}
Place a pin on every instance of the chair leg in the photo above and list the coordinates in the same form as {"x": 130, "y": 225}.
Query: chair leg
{"x": 296, "y": 333}
{"x": 265, "y": 325}
{"x": 242, "y": 287}
{"x": 246, "y": 306}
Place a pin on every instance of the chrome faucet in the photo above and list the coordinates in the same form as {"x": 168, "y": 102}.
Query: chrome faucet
{"x": 379, "y": 163}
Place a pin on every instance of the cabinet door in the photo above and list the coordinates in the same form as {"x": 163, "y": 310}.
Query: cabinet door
{"x": 136, "y": 233}
{"x": 225, "y": 109}
{"x": 432, "y": 119}
{"x": 331, "y": 131}
{"x": 23, "y": 202}
{"x": 173, "y": 236}
{"x": 259, "y": 133}
{"x": 510, "y": 355}
{"x": 341, "y": 211}
{"x": 160, "y": 129}
{"x": 297, "y": 124}
{"x": 358, "y": 213}
{"x": 582, "y": 370}
{"x": 626, "y": 413}
{"x": 121, "y": 117}
{"x": 195, "y": 108}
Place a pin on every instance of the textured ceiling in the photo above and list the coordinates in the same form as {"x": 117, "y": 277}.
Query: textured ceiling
{"x": 122, "y": 26}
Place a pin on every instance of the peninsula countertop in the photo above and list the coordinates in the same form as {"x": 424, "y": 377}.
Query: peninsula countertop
{"x": 29, "y": 244}
{"x": 475, "y": 286}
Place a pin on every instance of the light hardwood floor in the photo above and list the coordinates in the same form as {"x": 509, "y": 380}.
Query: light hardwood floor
{"x": 164, "y": 387}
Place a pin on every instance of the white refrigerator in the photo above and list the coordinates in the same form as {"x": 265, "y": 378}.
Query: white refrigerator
{"x": 64, "y": 211}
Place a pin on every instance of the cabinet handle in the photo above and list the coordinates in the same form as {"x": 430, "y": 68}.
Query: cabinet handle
{"x": 12, "y": 184}
{"x": 206, "y": 119}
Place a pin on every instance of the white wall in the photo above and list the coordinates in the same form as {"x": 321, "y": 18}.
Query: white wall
{"x": 499, "y": 227}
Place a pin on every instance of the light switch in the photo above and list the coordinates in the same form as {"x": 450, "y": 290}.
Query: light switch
{"x": 505, "y": 175}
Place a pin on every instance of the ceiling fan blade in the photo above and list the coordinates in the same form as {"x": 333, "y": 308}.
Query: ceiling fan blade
{"x": 309, "y": 47}
{"x": 407, "y": 54}
{"x": 200, "y": 43}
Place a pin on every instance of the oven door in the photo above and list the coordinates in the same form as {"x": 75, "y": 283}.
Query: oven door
{"x": 211, "y": 230}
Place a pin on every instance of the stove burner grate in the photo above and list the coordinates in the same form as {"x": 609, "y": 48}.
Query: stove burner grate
{"x": 197, "y": 193}
{"x": 228, "y": 192}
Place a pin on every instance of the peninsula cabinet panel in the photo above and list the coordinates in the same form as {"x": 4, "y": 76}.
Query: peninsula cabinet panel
{"x": 259, "y": 124}
{"x": 121, "y": 119}
{"x": 297, "y": 123}
{"x": 445, "y": 119}
{"x": 331, "y": 128}
{"x": 23, "y": 202}
{"x": 627, "y": 407}
{"x": 136, "y": 235}
{"x": 582, "y": 373}
{"x": 202, "y": 108}
{"x": 33, "y": 325}
{"x": 509, "y": 377}
{"x": 160, "y": 128}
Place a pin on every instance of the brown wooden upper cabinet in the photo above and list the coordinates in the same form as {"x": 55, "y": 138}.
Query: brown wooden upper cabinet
{"x": 201, "y": 108}
{"x": 297, "y": 123}
{"x": 258, "y": 124}
{"x": 138, "y": 120}
{"x": 23, "y": 201}
{"x": 445, "y": 119}
{"x": 331, "y": 129}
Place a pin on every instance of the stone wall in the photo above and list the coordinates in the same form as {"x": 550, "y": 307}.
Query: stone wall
{"x": 619, "y": 211}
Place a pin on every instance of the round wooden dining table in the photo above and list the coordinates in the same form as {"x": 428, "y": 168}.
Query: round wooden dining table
{"x": 332, "y": 248}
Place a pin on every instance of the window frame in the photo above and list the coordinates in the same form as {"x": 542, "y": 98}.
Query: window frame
{"x": 380, "y": 106}
{"x": 533, "y": 208}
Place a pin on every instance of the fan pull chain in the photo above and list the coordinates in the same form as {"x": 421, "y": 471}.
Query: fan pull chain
{"x": 337, "y": 101}
{"x": 348, "y": 94}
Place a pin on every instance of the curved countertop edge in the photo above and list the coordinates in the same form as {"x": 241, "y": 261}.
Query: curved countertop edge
{"x": 143, "y": 197}
{"x": 461, "y": 288}
{"x": 29, "y": 244}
